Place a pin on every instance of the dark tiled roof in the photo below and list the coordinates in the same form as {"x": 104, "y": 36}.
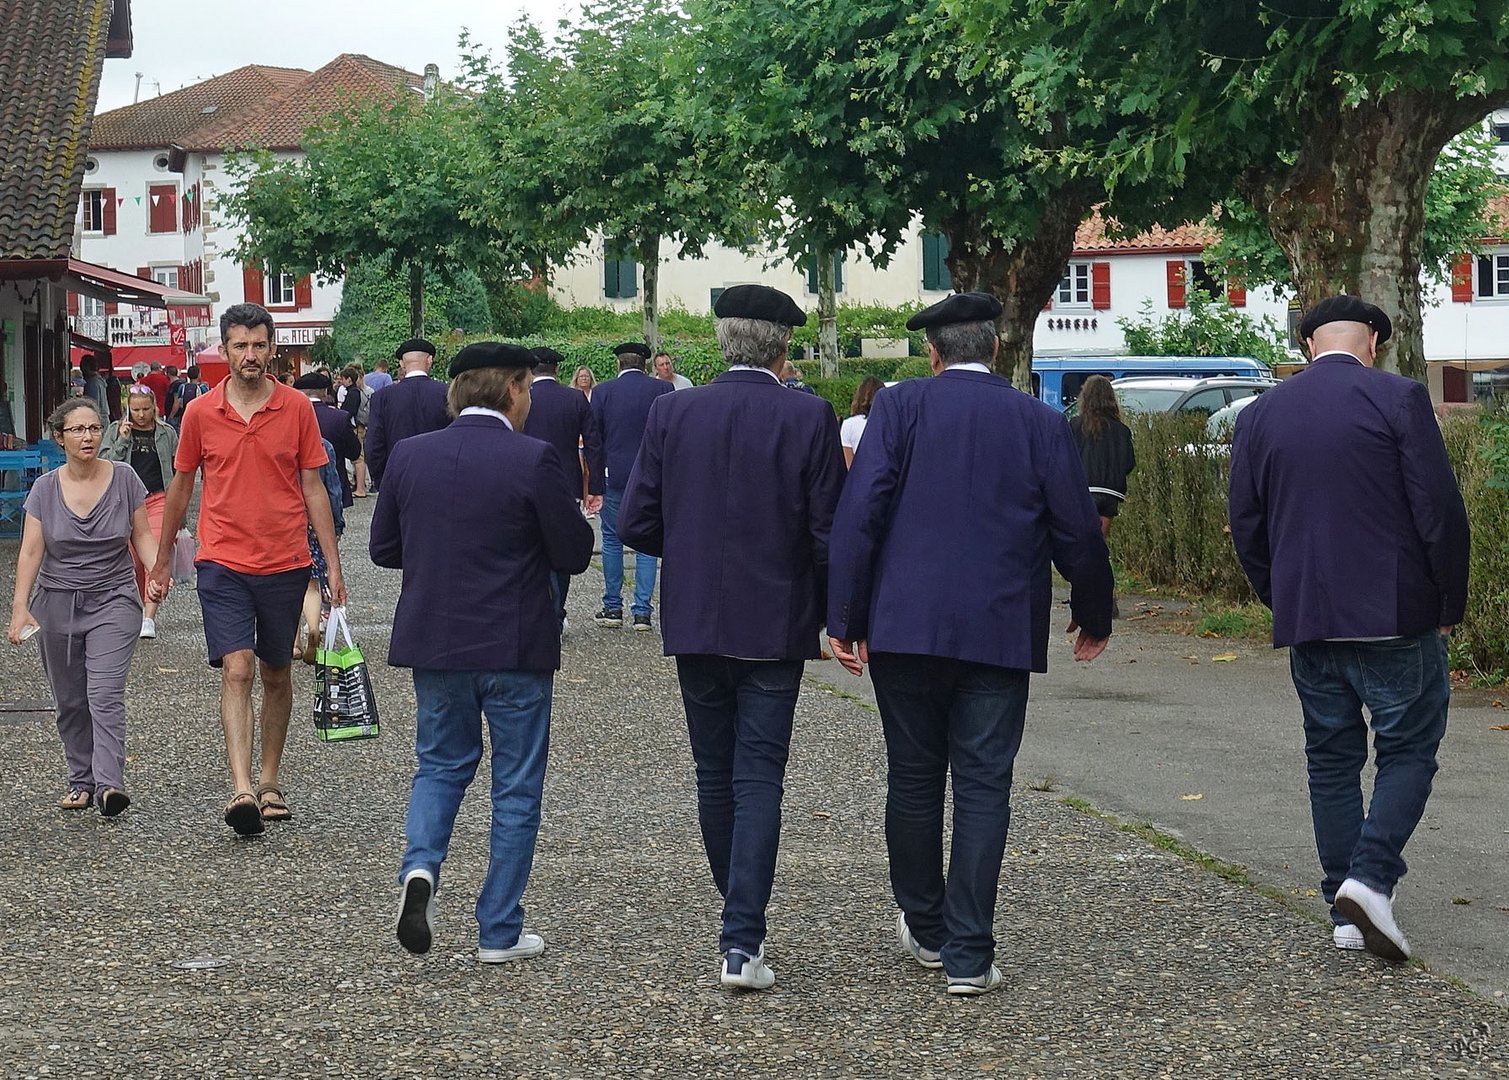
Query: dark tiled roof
{"x": 163, "y": 120}
{"x": 279, "y": 122}
{"x": 51, "y": 56}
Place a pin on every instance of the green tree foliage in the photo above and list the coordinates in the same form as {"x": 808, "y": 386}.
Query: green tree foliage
{"x": 1208, "y": 326}
{"x": 377, "y": 179}
{"x": 594, "y": 136}
{"x": 374, "y": 312}
{"x": 1328, "y": 118}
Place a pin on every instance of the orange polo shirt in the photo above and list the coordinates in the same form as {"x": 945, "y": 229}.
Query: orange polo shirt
{"x": 251, "y": 512}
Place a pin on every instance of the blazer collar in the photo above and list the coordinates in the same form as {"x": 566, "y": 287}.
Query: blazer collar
{"x": 748, "y": 376}
{"x": 1336, "y": 356}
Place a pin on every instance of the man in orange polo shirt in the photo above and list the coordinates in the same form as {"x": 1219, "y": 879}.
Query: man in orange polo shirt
{"x": 259, "y": 445}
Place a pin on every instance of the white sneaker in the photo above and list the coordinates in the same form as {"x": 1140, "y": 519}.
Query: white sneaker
{"x": 148, "y": 627}
{"x": 744, "y": 972}
{"x": 975, "y": 985}
{"x": 1347, "y": 936}
{"x": 926, "y": 957}
{"x": 528, "y": 945}
{"x": 416, "y": 911}
{"x": 1373, "y": 914}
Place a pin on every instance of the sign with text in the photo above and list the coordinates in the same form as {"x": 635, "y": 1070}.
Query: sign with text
{"x": 300, "y": 335}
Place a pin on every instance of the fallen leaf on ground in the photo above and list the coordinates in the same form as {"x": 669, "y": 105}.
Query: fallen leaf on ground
{"x": 1194, "y": 796}
{"x": 1224, "y": 658}
{"x": 1499, "y": 727}
{"x": 821, "y": 814}
{"x": 1210, "y": 633}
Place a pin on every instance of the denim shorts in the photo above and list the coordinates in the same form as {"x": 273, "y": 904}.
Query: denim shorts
{"x": 259, "y": 612}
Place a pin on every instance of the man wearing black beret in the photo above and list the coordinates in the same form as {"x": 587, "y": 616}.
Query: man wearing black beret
{"x": 562, "y": 417}
{"x": 335, "y": 426}
{"x": 415, "y": 403}
{"x": 735, "y": 488}
{"x": 963, "y": 495}
{"x": 620, "y": 406}
{"x": 1348, "y": 521}
{"x": 478, "y": 521}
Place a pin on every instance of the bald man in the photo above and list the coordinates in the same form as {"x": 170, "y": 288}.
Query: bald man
{"x": 1347, "y": 519}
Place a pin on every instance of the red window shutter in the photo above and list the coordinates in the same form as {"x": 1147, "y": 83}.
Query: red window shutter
{"x": 1236, "y": 294}
{"x": 186, "y": 208}
{"x": 253, "y": 288}
{"x": 1461, "y": 280}
{"x": 1175, "y": 270}
{"x": 1100, "y": 285}
{"x": 303, "y": 293}
{"x": 160, "y": 214}
{"x": 107, "y": 210}
{"x": 73, "y": 303}
{"x": 112, "y": 309}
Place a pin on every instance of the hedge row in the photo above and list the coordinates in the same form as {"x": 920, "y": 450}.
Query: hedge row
{"x": 1172, "y": 529}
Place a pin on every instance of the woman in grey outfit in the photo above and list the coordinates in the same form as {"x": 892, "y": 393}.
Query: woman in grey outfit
{"x": 74, "y": 582}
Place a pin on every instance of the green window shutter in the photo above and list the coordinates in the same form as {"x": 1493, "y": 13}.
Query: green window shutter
{"x": 628, "y": 284}
{"x": 619, "y": 280}
{"x": 838, "y": 273}
{"x": 811, "y": 264}
{"x": 935, "y": 275}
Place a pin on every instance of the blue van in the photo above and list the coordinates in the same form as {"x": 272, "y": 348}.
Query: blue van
{"x": 1057, "y": 379}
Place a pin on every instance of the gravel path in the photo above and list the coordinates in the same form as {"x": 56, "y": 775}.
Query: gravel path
{"x": 1121, "y": 960}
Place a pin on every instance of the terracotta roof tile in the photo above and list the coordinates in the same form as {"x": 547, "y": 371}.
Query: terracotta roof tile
{"x": 51, "y": 56}
{"x": 163, "y": 120}
{"x": 279, "y": 122}
{"x": 1092, "y": 238}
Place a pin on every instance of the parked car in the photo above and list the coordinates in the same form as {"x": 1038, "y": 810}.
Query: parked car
{"x": 1208, "y": 396}
{"x": 1057, "y": 379}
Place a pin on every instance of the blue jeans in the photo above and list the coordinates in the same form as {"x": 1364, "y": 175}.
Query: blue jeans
{"x": 448, "y": 743}
{"x": 613, "y": 562}
{"x": 942, "y": 715}
{"x": 1405, "y": 684}
{"x": 738, "y": 715}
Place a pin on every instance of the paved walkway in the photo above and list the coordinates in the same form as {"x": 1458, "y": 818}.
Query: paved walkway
{"x": 1121, "y": 960}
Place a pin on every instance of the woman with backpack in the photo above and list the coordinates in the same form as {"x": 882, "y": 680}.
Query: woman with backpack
{"x": 356, "y": 399}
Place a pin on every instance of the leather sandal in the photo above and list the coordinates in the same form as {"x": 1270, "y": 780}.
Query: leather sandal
{"x": 76, "y": 799}
{"x": 244, "y": 814}
{"x": 273, "y": 805}
{"x": 113, "y": 802}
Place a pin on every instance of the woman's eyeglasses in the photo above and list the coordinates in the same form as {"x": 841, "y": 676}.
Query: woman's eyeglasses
{"x": 86, "y": 429}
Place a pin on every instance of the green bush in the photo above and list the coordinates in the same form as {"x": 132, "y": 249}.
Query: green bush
{"x": 837, "y": 392}
{"x": 1206, "y": 327}
{"x": 1171, "y": 532}
{"x": 1478, "y": 445}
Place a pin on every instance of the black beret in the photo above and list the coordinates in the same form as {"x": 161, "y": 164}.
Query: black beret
{"x": 635, "y": 348}
{"x": 313, "y": 381}
{"x": 486, "y": 354}
{"x": 1346, "y": 309}
{"x": 961, "y": 307}
{"x": 545, "y": 355}
{"x": 417, "y": 344}
{"x": 759, "y": 302}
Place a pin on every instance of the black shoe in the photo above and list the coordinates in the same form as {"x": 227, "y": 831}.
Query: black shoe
{"x": 641, "y": 622}
{"x": 416, "y": 913}
{"x": 609, "y": 617}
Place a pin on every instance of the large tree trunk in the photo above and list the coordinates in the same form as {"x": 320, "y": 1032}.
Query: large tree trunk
{"x": 827, "y": 311}
{"x": 1349, "y": 214}
{"x": 1023, "y": 278}
{"x": 649, "y": 258}
{"x": 416, "y": 298}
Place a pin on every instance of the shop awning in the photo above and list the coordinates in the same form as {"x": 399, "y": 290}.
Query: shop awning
{"x": 115, "y": 287}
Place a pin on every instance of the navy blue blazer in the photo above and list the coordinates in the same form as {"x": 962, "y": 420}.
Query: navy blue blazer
{"x": 475, "y": 517}
{"x": 962, "y": 493}
{"x": 411, "y": 406}
{"x": 621, "y": 406}
{"x": 1344, "y": 509}
{"x": 560, "y": 416}
{"x": 735, "y": 489}
{"x": 335, "y": 425}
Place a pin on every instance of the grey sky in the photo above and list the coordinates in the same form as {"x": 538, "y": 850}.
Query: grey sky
{"x": 179, "y": 42}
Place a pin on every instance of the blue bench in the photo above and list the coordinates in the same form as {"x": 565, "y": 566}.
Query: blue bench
{"x": 19, "y": 469}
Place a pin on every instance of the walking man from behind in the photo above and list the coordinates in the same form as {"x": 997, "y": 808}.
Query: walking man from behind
{"x": 414, "y": 404}
{"x": 562, "y": 417}
{"x": 259, "y": 446}
{"x": 962, "y": 494}
{"x": 735, "y": 489}
{"x": 1348, "y": 521}
{"x": 621, "y": 406}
